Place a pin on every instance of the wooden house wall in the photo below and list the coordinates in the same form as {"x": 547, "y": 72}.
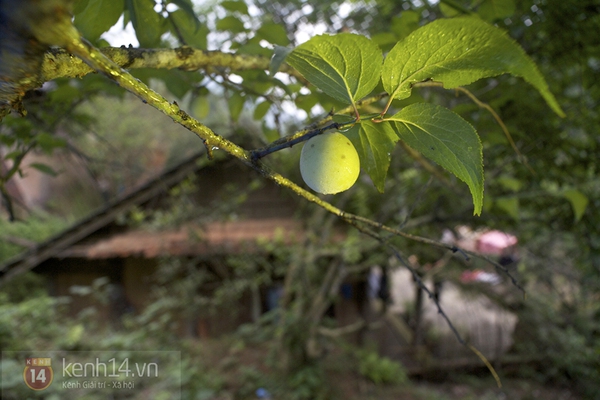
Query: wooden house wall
{"x": 63, "y": 275}
{"x": 137, "y": 280}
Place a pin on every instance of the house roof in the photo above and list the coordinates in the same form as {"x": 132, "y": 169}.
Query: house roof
{"x": 219, "y": 237}
{"x": 184, "y": 241}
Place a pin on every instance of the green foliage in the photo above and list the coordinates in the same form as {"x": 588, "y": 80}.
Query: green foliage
{"x": 488, "y": 10}
{"x": 308, "y": 383}
{"x": 189, "y": 31}
{"x": 39, "y": 322}
{"x": 346, "y": 66}
{"x": 446, "y": 138}
{"x": 273, "y": 33}
{"x": 493, "y": 10}
{"x": 32, "y": 322}
{"x": 235, "y": 6}
{"x": 34, "y": 229}
{"x": 455, "y": 52}
{"x": 145, "y": 21}
{"x": 578, "y": 200}
{"x": 380, "y": 370}
{"x": 374, "y": 143}
{"x": 121, "y": 157}
{"x": 568, "y": 345}
{"x": 97, "y": 17}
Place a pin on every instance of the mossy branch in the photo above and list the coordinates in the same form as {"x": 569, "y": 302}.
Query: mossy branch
{"x": 58, "y": 63}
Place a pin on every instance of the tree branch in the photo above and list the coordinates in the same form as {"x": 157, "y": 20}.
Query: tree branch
{"x": 19, "y": 241}
{"x": 59, "y": 63}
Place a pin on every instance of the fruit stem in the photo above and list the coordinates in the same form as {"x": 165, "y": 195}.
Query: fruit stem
{"x": 277, "y": 145}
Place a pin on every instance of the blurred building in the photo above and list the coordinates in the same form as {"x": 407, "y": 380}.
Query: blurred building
{"x": 122, "y": 258}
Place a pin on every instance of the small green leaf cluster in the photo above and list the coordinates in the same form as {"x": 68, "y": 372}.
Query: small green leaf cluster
{"x": 381, "y": 370}
{"x": 452, "y": 52}
{"x": 36, "y": 229}
{"x": 94, "y": 17}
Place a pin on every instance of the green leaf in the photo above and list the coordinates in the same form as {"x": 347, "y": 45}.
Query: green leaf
{"x": 509, "y": 205}
{"x": 273, "y": 33}
{"x": 256, "y": 81}
{"x": 406, "y": 23}
{"x": 491, "y": 10}
{"x": 201, "y": 107}
{"x": 457, "y": 52}
{"x": 239, "y": 6}
{"x": 13, "y": 155}
{"x": 48, "y": 142}
{"x": 79, "y": 6}
{"x": 279, "y": 55}
{"x": 374, "y": 143}
{"x": 306, "y": 101}
{"x": 261, "y": 110}
{"x": 270, "y": 134}
{"x": 451, "y": 8}
{"x": 46, "y": 169}
{"x": 177, "y": 82}
{"x": 230, "y": 24}
{"x": 254, "y": 49}
{"x": 236, "y": 105}
{"x": 384, "y": 39}
{"x": 510, "y": 183}
{"x": 347, "y": 67}
{"x": 447, "y": 139}
{"x": 65, "y": 93}
{"x": 288, "y": 89}
{"x": 146, "y": 22}
{"x": 98, "y": 17}
{"x": 188, "y": 7}
{"x": 578, "y": 200}
{"x": 192, "y": 33}
{"x": 180, "y": 82}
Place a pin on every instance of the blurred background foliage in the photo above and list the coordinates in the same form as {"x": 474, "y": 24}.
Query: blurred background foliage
{"x": 550, "y": 198}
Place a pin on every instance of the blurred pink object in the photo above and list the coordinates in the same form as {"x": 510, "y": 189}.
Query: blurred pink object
{"x": 480, "y": 276}
{"x": 494, "y": 242}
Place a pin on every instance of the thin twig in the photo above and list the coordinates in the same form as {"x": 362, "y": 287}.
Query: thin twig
{"x": 421, "y": 285}
{"x": 429, "y": 167}
{"x": 273, "y": 147}
{"x": 416, "y": 202}
{"x": 300, "y": 136}
{"x": 416, "y": 277}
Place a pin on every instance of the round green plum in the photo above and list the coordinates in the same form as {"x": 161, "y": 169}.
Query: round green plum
{"x": 329, "y": 163}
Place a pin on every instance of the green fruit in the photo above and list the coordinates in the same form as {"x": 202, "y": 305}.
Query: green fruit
{"x": 329, "y": 163}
